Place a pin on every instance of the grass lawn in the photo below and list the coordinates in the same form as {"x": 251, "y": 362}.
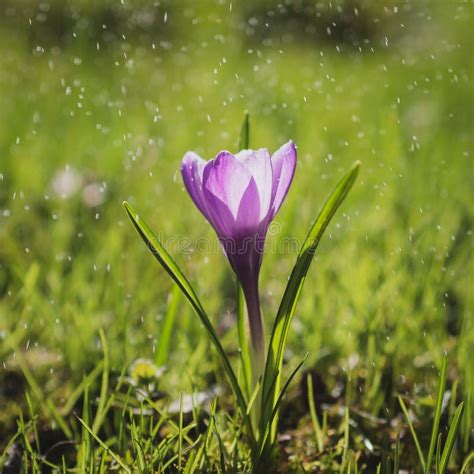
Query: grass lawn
{"x": 99, "y": 102}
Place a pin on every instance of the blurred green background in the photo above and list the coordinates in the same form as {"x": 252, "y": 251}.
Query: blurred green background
{"x": 100, "y": 100}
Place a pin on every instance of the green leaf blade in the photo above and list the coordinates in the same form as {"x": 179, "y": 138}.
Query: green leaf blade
{"x": 314, "y": 417}
{"x": 451, "y": 438}
{"x": 244, "y": 140}
{"x": 413, "y": 432}
{"x": 294, "y": 286}
{"x": 115, "y": 456}
{"x": 437, "y": 416}
{"x": 164, "y": 339}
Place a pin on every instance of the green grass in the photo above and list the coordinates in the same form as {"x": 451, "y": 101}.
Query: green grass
{"x": 389, "y": 292}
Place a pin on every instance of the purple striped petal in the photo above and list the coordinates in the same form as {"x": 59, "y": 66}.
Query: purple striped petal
{"x": 283, "y": 165}
{"x": 259, "y": 165}
{"x": 192, "y": 168}
{"x": 226, "y": 179}
{"x": 248, "y": 217}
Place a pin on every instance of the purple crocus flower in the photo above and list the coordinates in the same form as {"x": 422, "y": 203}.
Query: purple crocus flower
{"x": 239, "y": 195}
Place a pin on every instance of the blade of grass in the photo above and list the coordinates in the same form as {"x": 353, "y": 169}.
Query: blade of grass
{"x": 451, "y": 438}
{"x": 6, "y": 450}
{"x": 167, "y": 262}
{"x": 166, "y": 466}
{"x": 437, "y": 416}
{"x": 137, "y": 447}
{"x": 169, "y": 421}
{"x": 467, "y": 429}
{"x": 23, "y": 428}
{"x": 190, "y": 464}
{"x": 104, "y": 385}
{"x": 468, "y": 461}
{"x": 294, "y": 286}
{"x": 413, "y": 433}
{"x": 111, "y": 398}
{"x": 87, "y": 380}
{"x": 85, "y": 447}
{"x": 101, "y": 465}
{"x": 266, "y": 440}
{"x": 116, "y": 457}
{"x": 210, "y": 426}
{"x": 314, "y": 418}
{"x": 253, "y": 398}
{"x": 244, "y": 139}
{"x": 396, "y": 457}
{"x": 46, "y": 404}
{"x": 438, "y": 453}
{"x": 33, "y": 423}
{"x": 205, "y": 440}
{"x": 222, "y": 450}
{"x": 346, "y": 440}
{"x": 453, "y": 398}
{"x": 163, "y": 346}
{"x": 180, "y": 434}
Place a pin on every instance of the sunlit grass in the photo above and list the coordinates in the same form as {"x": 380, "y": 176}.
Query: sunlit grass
{"x": 389, "y": 293}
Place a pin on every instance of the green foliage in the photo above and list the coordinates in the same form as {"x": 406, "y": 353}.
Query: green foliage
{"x": 389, "y": 292}
{"x": 442, "y": 458}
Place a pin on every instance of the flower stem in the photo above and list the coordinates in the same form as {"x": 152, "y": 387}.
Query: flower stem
{"x": 257, "y": 346}
{"x": 257, "y": 335}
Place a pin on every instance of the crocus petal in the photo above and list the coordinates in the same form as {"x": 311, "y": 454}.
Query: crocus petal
{"x": 226, "y": 179}
{"x": 192, "y": 168}
{"x": 259, "y": 165}
{"x": 283, "y": 165}
{"x": 248, "y": 217}
{"x": 214, "y": 210}
{"x": 219, "y": 216}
